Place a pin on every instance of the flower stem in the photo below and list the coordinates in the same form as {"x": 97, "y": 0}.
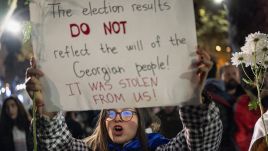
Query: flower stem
{"x": 262, "y": 111}
{"x": 263, "y": 78}
{"x": 257, "y": 75}
{"x": 245, "y": 72}
{"x": 34, "y": 123}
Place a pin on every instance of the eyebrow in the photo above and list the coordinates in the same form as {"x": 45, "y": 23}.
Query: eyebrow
{"x": 121, "y": 108}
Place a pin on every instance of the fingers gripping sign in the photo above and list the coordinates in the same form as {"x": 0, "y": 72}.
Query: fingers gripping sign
{"x": 201, "y": 67}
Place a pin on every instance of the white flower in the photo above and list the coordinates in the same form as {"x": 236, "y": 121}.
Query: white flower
{"x": 255, "y": 37}
{"x": 264, "y": 48}
{"x": 256, "y": 48}
{"x": 255, "y": 42}
{"x": 260, "y": 57}
{"x": 248, "y": 48}
{"x": 261, "y": 45}
{"x": 253, "y": 59}
{"x": 254, "y": 53}
{"x": 250, "y": 60}
{"x": 238, "y": 58}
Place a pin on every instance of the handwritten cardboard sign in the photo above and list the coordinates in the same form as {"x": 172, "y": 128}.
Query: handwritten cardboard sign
{"x": 114, "y": 53}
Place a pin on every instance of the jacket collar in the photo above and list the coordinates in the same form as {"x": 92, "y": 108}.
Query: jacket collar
{"x": 154, "y": 140}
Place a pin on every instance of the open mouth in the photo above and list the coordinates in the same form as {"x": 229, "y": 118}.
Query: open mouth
{"x": 118, "y": 130}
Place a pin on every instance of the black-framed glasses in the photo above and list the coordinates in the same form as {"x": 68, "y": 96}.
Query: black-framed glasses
{"x": 125, "y": 115}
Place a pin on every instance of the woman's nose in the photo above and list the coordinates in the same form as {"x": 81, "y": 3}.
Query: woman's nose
{"x": 117, "y": 118}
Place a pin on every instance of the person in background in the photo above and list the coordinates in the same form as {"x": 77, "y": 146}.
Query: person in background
{"x": 258, "y": 142}
{"x": 88, "y": 120}
{"x": 215, "y": 89}
{"x": 123, "y": 128}
{"x": 246, "y": 119}
{"x": 151, "y": 121}
{"x": 230, "y": 75}
{"x": 171, "y": 125}
{"x": 73, "y": 125}
{"x": 14, "y": 127}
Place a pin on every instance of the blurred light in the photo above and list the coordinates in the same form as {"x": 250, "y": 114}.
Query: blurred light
{"x": 3, "y": 90}
{"x": 20, "y": 97}
{"x": 228, "y": 49}
{"x": 8, "y": 92}
{"x": 218, "y": 48}
{"x": 202, "y": 12}
{"x": 13, "y": 26}
{"x": 20, "y": 87}
{"x": 218, "y": 1}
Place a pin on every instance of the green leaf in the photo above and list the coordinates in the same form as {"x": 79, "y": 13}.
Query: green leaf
{"x": 253, "y": 105}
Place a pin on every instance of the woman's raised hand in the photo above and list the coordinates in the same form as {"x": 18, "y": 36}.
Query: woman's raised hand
{"x": 201, "y": 67}
{"x": 34, "y": 86}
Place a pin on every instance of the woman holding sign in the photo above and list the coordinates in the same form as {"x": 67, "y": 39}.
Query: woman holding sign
{"x": 123, "y": 129}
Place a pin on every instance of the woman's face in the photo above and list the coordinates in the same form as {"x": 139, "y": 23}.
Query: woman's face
{"x": 12, "y": 109}
{"x": 122, "y": 130}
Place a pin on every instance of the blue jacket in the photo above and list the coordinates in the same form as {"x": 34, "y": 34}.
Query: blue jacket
{"x": 154, "y": 140}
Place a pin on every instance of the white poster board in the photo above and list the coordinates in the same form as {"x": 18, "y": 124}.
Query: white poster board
{"x": 114, "y": 53}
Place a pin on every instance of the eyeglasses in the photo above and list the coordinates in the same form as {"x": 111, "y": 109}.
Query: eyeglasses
{"x": 125, "y": 115}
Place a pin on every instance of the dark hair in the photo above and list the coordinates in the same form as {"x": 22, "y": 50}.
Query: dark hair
{"x": 259, "y": 145}
{"x": 99, "y": 139}
{"x": 22, "y": 121}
